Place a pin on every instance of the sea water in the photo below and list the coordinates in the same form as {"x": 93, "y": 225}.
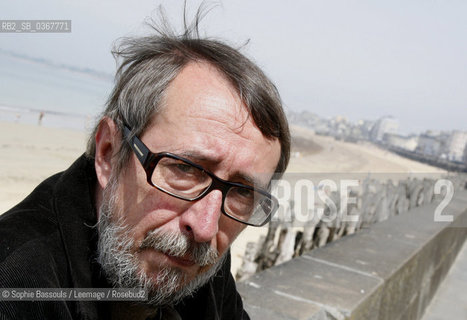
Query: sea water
{"x": 66, "y": 97}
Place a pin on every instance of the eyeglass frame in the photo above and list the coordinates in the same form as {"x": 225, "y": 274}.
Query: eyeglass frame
{"x": 149, "y": 161}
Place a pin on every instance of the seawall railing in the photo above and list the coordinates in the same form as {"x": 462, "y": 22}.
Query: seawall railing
{"x": 389, "y": 270}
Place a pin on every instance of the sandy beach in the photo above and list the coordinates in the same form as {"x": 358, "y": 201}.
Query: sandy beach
{"x": 30, "y": 153}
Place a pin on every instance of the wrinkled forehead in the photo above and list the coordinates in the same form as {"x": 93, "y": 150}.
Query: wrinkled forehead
{"x": 202, "y": 84}
{"x": 203, "y": 113}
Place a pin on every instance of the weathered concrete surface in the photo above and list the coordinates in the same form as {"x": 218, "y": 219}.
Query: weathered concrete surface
{"x": 450, "y": 301}
{"x": 272, "y": 308}
{"x": 314, "y": 282}
{"x": 389, "y": 271}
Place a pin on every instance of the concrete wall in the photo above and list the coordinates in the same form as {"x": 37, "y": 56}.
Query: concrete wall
{"x": 387, "y": 272}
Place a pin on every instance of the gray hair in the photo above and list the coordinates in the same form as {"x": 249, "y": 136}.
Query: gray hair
{"x": 150, "y": 63}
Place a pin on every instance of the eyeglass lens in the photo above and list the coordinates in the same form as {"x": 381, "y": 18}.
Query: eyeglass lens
{"x": 182, "y": 179}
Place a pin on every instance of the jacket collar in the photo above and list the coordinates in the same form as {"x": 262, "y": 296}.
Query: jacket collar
{"x": 74, "y": 205}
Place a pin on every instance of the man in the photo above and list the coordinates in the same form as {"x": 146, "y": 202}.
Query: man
{"x": 178, "y": 165}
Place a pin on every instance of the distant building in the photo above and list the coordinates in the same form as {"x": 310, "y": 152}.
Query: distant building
{"x": 407, "y": 143}
{"x": 455, "y": 146}
{"x": 365, "y": 127}
{"x": 339, "y": 119}
{"x": 382, "y": 126}
{"x": 306, "y": 119}
{"x": 429, "y": 144}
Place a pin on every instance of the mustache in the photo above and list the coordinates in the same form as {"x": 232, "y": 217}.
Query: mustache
{"x": 180, "y": 246}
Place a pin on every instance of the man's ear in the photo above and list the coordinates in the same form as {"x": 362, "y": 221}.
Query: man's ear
{"x": 107, "y": 144}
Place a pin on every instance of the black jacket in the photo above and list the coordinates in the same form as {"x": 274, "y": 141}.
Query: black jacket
{"x": 48, "y": 241}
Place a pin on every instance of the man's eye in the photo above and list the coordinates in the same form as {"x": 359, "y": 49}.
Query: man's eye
{"x": 245, "y": 193}
{"x": 185, "y": 168}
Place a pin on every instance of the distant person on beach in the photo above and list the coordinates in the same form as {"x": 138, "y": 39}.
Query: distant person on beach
{"x": 41, "y": 116}
{"x": 179, "y": 163}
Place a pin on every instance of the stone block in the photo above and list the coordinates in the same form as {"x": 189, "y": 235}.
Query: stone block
{"x": 263, "y": 303}
{"x": 368, "y": 252}
{"x": 400, "y": 289}
{"x": 340, "y": 290}
{"x": 411, "y": 312}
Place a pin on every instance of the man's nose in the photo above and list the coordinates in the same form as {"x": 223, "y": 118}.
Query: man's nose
{"x": 201, "y": 219}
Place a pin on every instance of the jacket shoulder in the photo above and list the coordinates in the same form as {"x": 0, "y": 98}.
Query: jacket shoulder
{"x": 31, "y": 239}
{"x": 30, "y": 220}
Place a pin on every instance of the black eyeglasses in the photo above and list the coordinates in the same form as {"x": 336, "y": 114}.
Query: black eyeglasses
{"x": 186, "y": 180}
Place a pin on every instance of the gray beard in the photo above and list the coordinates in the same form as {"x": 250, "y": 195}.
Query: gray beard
{"x": 116, "y": 254}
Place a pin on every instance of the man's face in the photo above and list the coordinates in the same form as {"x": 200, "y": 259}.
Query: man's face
{"x": 204, "y": 120}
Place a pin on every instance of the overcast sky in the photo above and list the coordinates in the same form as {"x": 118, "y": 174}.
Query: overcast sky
{"x": 358, "y": 59}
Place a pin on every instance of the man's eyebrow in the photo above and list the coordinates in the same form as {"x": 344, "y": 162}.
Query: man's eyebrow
{"x": 199, "y": 156}
{"x": 252, "y": 181}
{"x": 238, "y": 176}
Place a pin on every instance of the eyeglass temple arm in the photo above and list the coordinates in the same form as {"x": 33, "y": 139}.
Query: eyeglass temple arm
{"x": 137, "y": 145}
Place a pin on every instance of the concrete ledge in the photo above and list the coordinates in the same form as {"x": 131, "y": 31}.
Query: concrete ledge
{"x": 389, "y": 271}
